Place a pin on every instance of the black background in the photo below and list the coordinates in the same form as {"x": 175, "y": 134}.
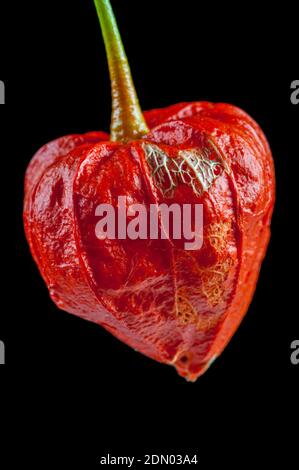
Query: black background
{"x": 75, "y": 392}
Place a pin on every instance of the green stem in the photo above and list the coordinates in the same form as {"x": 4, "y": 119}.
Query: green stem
{"x": 127, "y": 121}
